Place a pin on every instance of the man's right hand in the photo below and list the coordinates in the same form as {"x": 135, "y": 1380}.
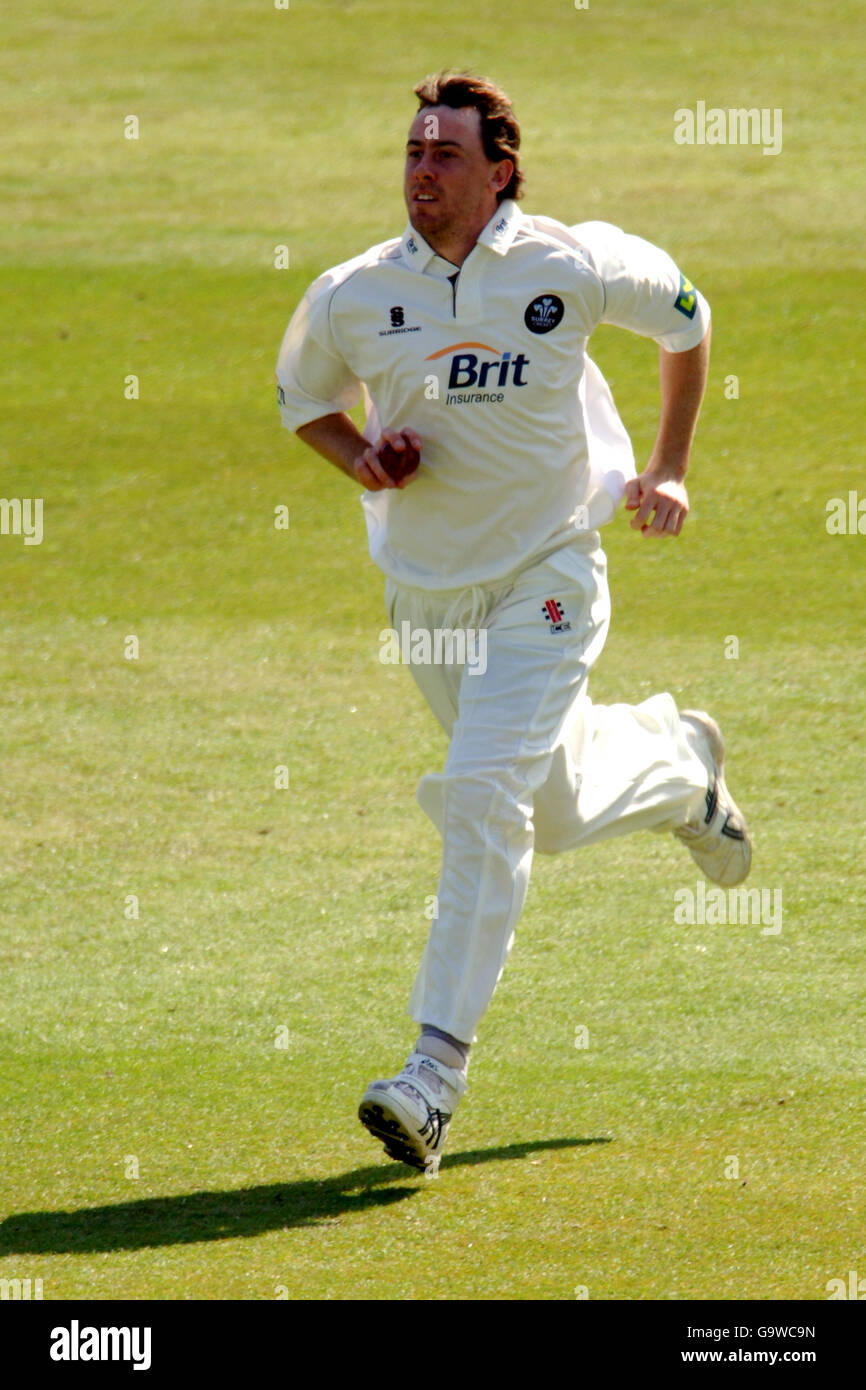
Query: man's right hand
{"x": 368, "y": 468}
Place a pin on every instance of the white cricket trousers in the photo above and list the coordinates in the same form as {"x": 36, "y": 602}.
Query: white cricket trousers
{"x": 532, "y": 763}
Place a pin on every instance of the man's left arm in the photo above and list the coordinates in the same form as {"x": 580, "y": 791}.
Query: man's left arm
{"x": 645, "y": 292}
{"x": 658, "y": 496}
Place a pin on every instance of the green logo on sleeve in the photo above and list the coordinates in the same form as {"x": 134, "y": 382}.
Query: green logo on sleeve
{"x": 687, "y": 299}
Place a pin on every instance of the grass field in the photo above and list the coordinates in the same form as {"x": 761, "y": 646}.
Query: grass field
{"x": 200, "y": 971}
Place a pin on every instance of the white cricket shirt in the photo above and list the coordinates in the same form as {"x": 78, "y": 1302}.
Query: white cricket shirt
{"x": 522, "y": 445}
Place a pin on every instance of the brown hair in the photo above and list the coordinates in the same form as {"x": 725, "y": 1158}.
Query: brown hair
{"x": 500, "y": 133}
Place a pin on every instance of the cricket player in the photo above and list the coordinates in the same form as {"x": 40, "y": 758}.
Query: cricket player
{"x": 466, "y": 338}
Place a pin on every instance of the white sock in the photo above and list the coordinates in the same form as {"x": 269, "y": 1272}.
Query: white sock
{"x": 445, "y": 1049}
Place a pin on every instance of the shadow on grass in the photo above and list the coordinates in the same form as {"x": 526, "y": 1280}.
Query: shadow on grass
{"x": 248, "y": 1211}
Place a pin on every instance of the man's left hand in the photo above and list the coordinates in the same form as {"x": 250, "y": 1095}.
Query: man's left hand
{"x": 657, "y": 492}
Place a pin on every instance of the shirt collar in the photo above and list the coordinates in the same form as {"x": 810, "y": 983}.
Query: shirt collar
{"x": 502, "y": 227}
{"x": 497, "y": 235}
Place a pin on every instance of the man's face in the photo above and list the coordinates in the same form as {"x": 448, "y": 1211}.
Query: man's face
{"x": 450, "y": 185}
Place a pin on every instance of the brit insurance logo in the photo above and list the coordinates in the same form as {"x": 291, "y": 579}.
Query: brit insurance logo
{"x": 398, "y": 323}
{"x": 544, "y": 313}
{"x": 480, "y": 373}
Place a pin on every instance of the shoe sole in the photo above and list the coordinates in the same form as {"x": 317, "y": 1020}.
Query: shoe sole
{"x": 385, "y": 1123}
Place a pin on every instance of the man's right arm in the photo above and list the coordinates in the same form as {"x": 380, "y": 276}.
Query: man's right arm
{"x": 338, "y": 440}
{"x": 315, "y": 381}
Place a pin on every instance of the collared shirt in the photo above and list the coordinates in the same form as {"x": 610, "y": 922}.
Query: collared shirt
{"x": 522, "y": 445}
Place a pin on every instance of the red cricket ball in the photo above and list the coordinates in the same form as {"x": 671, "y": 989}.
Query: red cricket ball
{"x": 399, "y": 463}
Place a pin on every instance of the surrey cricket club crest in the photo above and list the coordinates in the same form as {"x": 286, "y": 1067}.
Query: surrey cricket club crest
{"x": 544, "y": 313}
{"x": 555, "y": 615}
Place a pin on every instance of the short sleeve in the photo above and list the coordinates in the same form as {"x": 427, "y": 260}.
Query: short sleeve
{"x": 644, "y": 290}
{"x": 312, "y": 378}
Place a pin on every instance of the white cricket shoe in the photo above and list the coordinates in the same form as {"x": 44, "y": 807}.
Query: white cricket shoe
{"x": 719, "y": 840}
{"x": 412, "y": 1112}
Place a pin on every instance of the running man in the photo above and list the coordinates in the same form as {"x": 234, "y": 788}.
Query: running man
{"x": 467, "y": 339}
